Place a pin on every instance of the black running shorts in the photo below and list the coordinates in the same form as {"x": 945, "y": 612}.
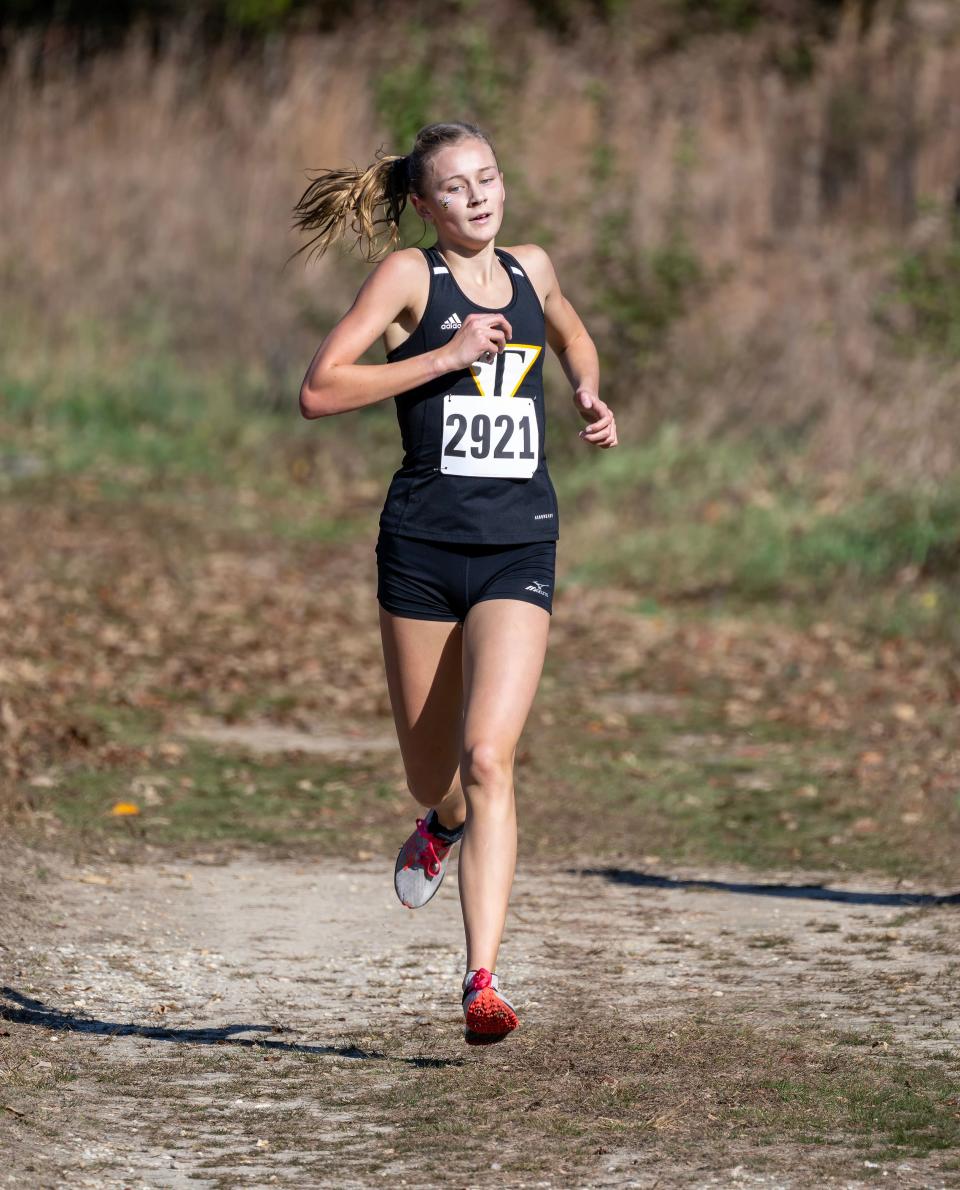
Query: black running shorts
{"x": 434, "y": 580}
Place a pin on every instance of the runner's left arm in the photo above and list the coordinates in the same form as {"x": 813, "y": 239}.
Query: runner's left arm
{"x": 571, "y": 341}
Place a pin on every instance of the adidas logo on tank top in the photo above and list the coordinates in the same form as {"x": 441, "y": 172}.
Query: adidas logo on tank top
{"x": 453, "y": 323}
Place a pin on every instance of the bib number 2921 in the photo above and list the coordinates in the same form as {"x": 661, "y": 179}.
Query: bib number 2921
{"x": 489, "y": 436}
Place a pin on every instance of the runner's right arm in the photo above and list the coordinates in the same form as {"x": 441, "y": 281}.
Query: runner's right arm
{"x": 336, "y": 383}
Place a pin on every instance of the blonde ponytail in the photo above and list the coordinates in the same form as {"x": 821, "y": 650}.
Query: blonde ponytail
{"x": 368, "y": 203}
{"x": 365, "y": 203}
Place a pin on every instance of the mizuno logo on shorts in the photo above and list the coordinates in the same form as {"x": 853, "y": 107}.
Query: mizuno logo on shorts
{"x": 537, "y": 588}
{"x": 453, "y": 323}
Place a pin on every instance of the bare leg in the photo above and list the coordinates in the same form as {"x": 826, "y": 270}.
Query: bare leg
{"x": 504, "y": 642}
{"x": 424, "y": 678}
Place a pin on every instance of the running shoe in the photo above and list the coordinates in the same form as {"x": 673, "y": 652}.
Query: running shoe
{"x": 488, "y": 1016}
{"x": 422, "y": 861}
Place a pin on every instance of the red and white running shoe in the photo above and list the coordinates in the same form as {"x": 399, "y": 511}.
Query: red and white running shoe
{"x": 422, "y": 862}
{"x": 488, "y": 1016}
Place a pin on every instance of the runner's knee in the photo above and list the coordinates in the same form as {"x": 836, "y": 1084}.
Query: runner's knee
{"x": 487, "y": 771}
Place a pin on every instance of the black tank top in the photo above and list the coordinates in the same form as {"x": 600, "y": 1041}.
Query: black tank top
{"x": 423, "y": 500}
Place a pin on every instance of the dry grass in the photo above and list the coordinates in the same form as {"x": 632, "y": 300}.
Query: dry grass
{"x": 701, "y": 1091}
{"x": 145, "y": 204}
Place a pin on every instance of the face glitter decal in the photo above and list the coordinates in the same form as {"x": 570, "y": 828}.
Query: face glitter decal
{"x": 445, "y": 201}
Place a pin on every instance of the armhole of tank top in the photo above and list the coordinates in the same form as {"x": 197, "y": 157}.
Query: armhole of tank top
{"x": 434, "y": 262}
{"x": 416, "y": 339}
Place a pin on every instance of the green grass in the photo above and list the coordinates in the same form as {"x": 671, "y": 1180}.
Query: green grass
{"x": 151, "y": 423}
{"x": 192, "y": 794}
{"x": 691, "y": 811}
{"x": 212, "y": 796}
{"x": 926, "y": 285}
{"x": 676, "y": 516}
{"x": 694, "y": 788}
{"x": 724, "y": 516}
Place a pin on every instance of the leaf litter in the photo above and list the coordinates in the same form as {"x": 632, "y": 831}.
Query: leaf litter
{"x": 115, "y": 638}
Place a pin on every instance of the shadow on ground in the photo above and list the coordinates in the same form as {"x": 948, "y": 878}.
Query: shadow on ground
{"x": 26, "y": 1011}
{"x": 810, "y": 892}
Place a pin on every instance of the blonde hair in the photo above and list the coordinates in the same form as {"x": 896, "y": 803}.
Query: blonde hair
{"x": 368, "y": 203}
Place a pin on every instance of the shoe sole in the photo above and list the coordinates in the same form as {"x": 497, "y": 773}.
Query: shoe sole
{"x": 489, "y": 1020}
{"x": 483, "y": 1038}
{"x": 433, "y": 891}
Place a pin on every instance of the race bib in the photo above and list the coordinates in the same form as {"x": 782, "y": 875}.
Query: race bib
{"x": 489, "y": 436}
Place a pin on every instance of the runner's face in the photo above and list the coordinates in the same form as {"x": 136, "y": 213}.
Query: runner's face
{"x": 465, "y": 196}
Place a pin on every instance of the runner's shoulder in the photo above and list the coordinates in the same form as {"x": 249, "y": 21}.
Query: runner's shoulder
{"x": 405, "y": 265}
{"x": 538, "y": 267}
{"x": 533, "y": 258}
{"x": 400, "y": 280}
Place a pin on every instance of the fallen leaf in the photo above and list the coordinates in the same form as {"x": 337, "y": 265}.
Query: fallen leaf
{"x": 11, "y": 723}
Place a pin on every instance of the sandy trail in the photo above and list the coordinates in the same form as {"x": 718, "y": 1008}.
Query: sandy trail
{"x": 306, "y": 956}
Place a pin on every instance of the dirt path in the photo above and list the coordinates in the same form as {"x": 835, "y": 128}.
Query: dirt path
{"x": 137, "y": 994}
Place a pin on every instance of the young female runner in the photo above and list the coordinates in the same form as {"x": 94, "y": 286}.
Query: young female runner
{"x": 468, "y": 532}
